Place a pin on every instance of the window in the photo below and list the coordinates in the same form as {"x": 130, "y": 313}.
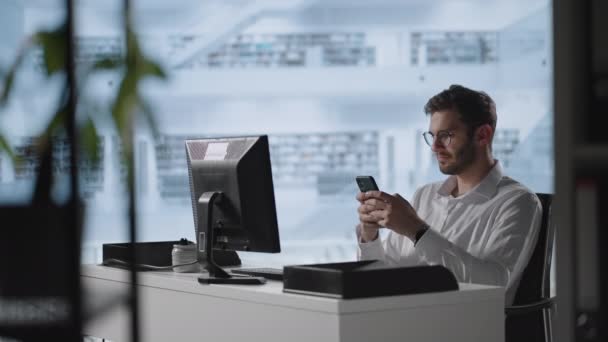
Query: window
{"x": 340, "y": 94}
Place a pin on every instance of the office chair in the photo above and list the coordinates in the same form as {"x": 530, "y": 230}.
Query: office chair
{"x": 529, "y": 319}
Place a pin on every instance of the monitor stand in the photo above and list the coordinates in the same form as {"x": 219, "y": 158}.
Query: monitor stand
{"x": 205, "y": 238}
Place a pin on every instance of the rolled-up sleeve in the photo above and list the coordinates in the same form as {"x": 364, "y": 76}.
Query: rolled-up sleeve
{"x": 390, "y": 249}
{"x": 372, "y": 250}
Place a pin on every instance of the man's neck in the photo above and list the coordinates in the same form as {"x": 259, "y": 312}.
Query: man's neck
{"x": 473, "y": 175}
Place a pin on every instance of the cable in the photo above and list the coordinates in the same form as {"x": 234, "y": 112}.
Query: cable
{"x": 110, "y": 262}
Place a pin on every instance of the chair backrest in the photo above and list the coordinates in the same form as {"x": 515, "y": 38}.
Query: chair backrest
{"x": 535, "y": 281}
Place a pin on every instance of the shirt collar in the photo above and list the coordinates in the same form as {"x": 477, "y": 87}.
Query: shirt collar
{"x": 487, "y": 187}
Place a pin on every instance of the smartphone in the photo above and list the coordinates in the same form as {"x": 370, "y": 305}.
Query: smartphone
{"x": 366, "y": 183}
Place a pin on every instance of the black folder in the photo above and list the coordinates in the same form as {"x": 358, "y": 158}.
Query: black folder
{"x": 369, "y": 278}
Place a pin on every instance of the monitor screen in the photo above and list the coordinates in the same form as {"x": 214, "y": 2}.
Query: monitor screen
{"x": 238, "y": 168}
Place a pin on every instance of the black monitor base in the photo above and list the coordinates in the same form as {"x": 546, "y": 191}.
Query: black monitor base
{"x": 232, "y": 280}
{"x": 206, "y": 245}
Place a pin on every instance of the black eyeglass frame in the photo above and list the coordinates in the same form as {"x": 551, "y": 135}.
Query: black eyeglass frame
{"x": 429, "y": 137}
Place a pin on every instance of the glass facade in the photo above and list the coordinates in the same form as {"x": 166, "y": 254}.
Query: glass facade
{"x": 339, "y": 88}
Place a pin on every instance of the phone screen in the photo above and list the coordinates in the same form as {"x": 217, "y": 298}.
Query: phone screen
{"x": 366, "y": 183}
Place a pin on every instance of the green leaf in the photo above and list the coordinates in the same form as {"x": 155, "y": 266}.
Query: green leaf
{"x": 10, "y": 76}
{"x": 108, "y": 64}
{"x": 58, "y": 121}
{"x": 144, "y": 66}
{"x": 150, "y": 68}
{"x": 8, "y": 85}
{"x": 53, "y": 45}
{"x": 90, "y": 140}
{"x": 55, "y": 125}
{"x": 6, "y": 147}
{"x": 149, "y": 116}
{"x": 123, "y": 108}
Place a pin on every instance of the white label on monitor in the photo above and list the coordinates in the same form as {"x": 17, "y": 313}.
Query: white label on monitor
{"x": 216, "y": 151}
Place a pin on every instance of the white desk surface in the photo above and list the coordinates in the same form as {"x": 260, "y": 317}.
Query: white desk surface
{"x": 272, "y": 293}
{"x": 174, "y": 306}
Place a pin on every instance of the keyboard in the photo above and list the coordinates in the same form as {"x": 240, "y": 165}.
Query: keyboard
{"x": 266, "y": 272}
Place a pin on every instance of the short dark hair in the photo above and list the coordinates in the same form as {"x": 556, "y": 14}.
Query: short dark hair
{"x": 475, "y": 108}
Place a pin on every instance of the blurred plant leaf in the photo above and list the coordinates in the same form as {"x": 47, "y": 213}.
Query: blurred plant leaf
{"x": 57, "y": 122}
{"x": 6, "y": 147}
{"x": 53, "y": 128}
{"x": 7, "y": 86}
{"x": 90, "y": 140}
{"x": 123, "y": 107}
{"x": 53, "y": 44}
{"x": 128, "y": 99}
{"x": 126, "y": 102}
{"x": 137, "y": 66}
{"x": 148, "y": 113}
{"x": 150, "y": 68}
{"x": 143, "y": 65}
{"x": 48, "y": 41}
{"x": 108, "y": 64}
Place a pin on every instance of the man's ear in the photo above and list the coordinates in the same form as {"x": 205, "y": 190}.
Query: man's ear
{"x": 484, "y": 135}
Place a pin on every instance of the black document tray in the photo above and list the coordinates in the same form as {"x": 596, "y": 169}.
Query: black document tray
{"x": 156, "y": 253}
{"x": 369, "y": 278}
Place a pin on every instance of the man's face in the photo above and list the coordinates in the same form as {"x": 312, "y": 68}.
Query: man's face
{"x": 460, "y": 153}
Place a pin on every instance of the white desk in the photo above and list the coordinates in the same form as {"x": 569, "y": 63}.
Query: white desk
{"x": 175, "y": 307}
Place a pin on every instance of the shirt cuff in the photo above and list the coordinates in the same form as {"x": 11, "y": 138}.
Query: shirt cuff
{"x": 371, "y": 250}
{"x": 432, "y": 245}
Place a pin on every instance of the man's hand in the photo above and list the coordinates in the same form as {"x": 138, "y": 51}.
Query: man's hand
{"x": 368, "y": 227}
{"x": 392, "y": 212}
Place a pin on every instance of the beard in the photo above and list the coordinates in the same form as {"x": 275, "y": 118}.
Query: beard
{"x": 464, "y": 157}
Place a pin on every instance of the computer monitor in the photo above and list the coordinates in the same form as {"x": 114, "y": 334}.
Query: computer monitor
{"x": 232, "y": 200}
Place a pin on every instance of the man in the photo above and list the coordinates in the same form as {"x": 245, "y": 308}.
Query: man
{"x": 478, "y": 223}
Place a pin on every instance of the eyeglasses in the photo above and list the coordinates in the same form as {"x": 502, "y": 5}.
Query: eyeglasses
{"x": 445, "y": 138}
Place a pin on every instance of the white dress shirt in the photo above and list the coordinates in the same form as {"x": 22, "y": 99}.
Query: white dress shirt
{"x": 485, "y": 236}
